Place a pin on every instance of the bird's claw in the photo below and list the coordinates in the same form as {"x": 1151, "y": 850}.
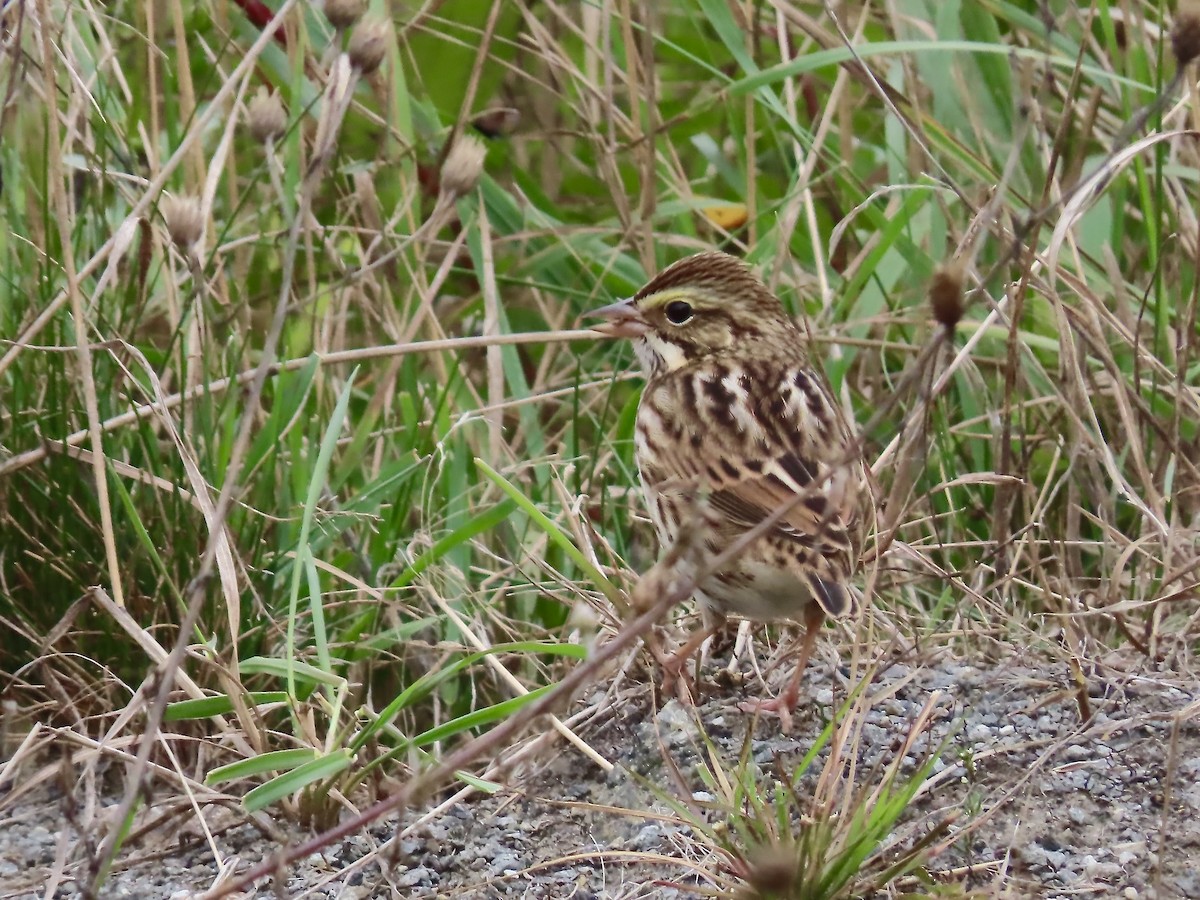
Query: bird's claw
{"x": 780, "y": 706}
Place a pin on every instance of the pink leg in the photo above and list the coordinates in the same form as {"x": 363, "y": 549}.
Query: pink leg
{"x": 782, "y": 706}
{"x": 674, "y": 675}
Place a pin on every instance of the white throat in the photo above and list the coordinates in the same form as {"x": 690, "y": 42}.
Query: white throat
{"x": 657, "y": 355}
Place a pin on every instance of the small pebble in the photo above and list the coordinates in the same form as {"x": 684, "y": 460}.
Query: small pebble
{"x": 979, "y": 733}
{"x": 648, "y": 838}
{"x": 414, "y": 877}
{"x": 504, "y": 864}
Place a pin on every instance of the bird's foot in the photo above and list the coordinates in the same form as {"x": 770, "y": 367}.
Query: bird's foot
{"x": 780, "y": 706}
{"x": 674, "y": 665}
{"x": 676, "y": 679}
{"x": 724, "y": 639}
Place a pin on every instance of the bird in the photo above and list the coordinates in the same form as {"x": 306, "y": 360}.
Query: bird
{"x": 736, "y": 425}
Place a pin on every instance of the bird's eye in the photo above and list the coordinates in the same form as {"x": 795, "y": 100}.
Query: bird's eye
{"x": 679, "y": 312}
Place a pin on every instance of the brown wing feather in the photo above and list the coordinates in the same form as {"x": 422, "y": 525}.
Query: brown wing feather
{"x": 807, "y": 451}
{"x": 788, "y": 439}
{"x": 814, "y": 536}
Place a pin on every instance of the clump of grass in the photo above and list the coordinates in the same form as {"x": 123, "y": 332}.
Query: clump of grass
{"x": 815, "y": 827}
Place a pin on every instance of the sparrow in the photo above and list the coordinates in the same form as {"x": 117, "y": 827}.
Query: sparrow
{"x": 735, "y": 424}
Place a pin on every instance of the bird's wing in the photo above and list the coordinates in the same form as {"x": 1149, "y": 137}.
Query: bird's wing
{"x": 804, "y": 459}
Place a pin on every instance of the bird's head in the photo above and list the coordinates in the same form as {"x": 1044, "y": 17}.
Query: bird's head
{"x": 706, "y": 305}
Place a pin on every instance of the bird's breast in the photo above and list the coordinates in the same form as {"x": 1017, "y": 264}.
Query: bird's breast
{"x": 756, "y": 590}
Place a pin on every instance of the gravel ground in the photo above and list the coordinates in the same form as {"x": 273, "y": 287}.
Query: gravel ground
{"x": 1044, "y": 806}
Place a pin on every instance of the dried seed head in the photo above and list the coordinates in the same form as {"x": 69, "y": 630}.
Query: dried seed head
{"x": 583, "y": 618}
{"x": 946, "y": 294}
{"x": 463, "y": 165}
{"x": 498, "y": 122}
{"x": 369, "y": 45}
{"x": 344, "y": 14}
{"x": 184, "y": 219}
{"x": 772, "y": 870}
{"x": 1185, "y": 36}
{"x": 265, "y": 116}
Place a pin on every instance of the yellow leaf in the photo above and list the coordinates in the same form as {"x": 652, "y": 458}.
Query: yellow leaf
{"x": 728, "y": 216}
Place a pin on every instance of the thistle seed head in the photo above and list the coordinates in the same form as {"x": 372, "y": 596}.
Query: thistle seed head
{"x": 463, "y": 165}
{"x": 369, "y": 45}
{"x": 771, "y": 870}
{"x": 265, "y": 116}
{"x": 946, "y": 294}
{"x": 1185, "y": 35}
{"x": 184, "y": 219}
{"x": 498, "y": 122}
{"x": 343, "y": 14}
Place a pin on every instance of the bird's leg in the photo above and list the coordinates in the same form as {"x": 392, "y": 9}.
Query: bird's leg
{"x": 724, "y": 638}
{"x": 740, "y": 640}
{"x": 782, "y": 706}
{"x": 675, "y": 678}
{"x": 674, "y": 674}
{"x": 653, "y": 642}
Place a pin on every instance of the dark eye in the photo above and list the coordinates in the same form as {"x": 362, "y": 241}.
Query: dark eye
{"x": 679, "y": 312}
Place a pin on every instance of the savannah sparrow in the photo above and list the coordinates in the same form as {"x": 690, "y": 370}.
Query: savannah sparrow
{"x": 734, "y": 414}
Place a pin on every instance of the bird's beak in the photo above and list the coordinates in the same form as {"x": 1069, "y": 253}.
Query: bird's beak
{"x": 624, "y": 320}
